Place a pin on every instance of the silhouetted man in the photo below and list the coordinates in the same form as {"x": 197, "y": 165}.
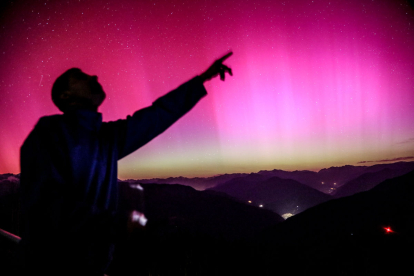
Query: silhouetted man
{"x": 69, "y": 171}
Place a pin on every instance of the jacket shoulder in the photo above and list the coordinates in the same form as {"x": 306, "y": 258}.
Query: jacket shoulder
{"x": 45, "y": 123}
{"x": 48, "y": 120}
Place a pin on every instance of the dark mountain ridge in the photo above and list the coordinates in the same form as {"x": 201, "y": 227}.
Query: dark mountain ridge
{"x": 349, "y": 235}
{"x": 198, "y": 183}
{"x": 205, "y": 232}
{"x": 183, "y": 208}
{"x": 283, "y": 196}
{"x": 387, "y": 204}
{"x": 326, "y": 180}
{"x": 372, "y": 176}
{"x": 365, "y": 182}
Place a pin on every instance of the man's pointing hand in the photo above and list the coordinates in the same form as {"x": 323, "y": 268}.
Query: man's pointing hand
{"x": 217, "y": 68}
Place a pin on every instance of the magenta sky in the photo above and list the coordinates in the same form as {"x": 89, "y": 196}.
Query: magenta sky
{"x": 316, "y": 83}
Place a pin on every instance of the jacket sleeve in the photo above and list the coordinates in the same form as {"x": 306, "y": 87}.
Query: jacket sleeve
{"x": 147, "y": 123}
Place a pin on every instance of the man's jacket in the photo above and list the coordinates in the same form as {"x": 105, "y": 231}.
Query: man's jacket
{"x": 69, "y": 171}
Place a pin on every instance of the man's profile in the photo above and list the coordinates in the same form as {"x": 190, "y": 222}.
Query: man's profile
{"x": 69, "y": 171}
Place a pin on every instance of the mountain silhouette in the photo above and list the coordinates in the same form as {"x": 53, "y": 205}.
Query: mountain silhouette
{"x": 198, "y": 183}
{"x": 349, "y": 235}
{"x": 282, "y": 196}
{"x": 191, "y": 232}
{"x": 365, "y": 182}
{"x": 182, "y": 208}
{"x": 373, "y": 176}
{"x": 213, "y": 233}
{"x": 326, "y": 180}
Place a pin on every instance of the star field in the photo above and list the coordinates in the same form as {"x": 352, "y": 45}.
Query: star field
{"x": 316, "y": 83}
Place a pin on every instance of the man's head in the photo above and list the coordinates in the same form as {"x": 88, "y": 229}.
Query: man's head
{"x": 76, "y": 90}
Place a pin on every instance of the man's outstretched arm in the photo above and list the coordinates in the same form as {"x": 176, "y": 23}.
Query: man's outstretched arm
{"x": 149, "y": 122}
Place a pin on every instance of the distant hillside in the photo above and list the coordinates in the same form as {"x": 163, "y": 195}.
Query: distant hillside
{"x": 330, "y": 179}
{"x": 373, "y": 176}
{"x": 326, "y": 180}
{"x": 283, "y": 196}
{"x": 182, "y": 208}
{"x": 209, "y": 233}
{"x": 192, "y": 232}
{"x": 364, "y": 182}
{"x": 347, "y": 236}
{"x": 385, "y": 205}
{"x": 198, "y": 183}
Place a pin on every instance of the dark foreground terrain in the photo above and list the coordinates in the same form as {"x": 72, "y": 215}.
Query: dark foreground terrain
{"x": 209, "y": 233}
{"x": 345, "y": 236}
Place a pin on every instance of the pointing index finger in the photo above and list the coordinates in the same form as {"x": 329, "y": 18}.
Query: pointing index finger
{"x": 223, "y": 58}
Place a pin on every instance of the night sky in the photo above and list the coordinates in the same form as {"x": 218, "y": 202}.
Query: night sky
{"x": 316, "y": 83}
